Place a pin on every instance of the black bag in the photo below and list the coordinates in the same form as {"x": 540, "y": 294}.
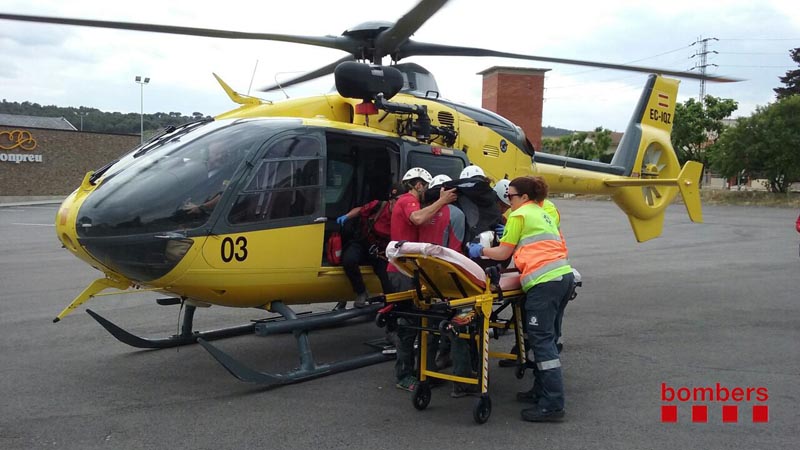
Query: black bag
{"x": 476, "y": 199}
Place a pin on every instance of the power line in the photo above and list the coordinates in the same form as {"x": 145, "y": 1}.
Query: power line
{"x": 759, "y": 39}
{"x": 634, "y": 61}
{"x": 670, "y": 65}
{"x": 752, "y": 53}
{"x": 760, "y": 67}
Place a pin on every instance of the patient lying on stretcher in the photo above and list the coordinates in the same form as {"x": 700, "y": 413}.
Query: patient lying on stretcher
{"x": 396, "y": 251}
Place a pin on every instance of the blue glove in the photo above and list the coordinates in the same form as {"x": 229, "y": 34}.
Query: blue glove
{"x": 500, "y": 229}
{"x": 341, "y": 219}
{"x": 474, "y": 250}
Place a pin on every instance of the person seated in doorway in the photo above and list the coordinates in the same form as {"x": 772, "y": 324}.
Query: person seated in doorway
{"x": 369, "y": 245}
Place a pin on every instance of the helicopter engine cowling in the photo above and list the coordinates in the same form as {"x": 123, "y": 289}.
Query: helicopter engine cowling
{"x": 365, "y": 81}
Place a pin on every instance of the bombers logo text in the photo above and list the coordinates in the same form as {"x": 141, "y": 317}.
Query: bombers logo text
{"x": 729, "y": 397}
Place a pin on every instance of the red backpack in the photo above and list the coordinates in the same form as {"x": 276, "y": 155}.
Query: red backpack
{"x": 333, "y": 249}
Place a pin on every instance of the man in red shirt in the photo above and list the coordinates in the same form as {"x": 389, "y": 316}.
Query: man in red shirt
{"x": 407, "y": 216}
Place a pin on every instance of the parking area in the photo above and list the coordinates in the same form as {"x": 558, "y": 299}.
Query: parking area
{"x": 705, "y": 304}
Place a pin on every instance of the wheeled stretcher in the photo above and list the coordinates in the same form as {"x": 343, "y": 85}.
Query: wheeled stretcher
{"x": 465, "y": 300}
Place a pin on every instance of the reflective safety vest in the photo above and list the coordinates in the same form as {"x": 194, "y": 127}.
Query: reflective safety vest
{"x": 550, "y": 208}
{"x": 540, "y": 254}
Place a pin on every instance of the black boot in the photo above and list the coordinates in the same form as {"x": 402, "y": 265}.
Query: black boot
{"x": 529, "y": 396}
{"x": 538, "y": 414}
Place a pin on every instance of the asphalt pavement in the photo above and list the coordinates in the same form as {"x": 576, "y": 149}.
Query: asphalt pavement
{"x": 705, "y": 304}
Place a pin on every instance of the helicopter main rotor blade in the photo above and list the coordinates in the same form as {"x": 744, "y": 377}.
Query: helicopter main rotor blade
{"x": 322, "y": 71}
{"x": 390, "y": 40}
{"x": 336, "y": 42}
{"x": 411, "y": 48}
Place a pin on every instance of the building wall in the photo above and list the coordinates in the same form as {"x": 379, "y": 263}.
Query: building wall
{"x": 60, "y": 158}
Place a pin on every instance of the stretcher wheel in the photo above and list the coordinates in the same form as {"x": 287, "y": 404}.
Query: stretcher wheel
{"x": 482, "y": 410}
{"x": 422, "y": 396}
{"x": 381, "y": 320}
{"x": 445, "y": 328}
{"x": 520, "y": 372}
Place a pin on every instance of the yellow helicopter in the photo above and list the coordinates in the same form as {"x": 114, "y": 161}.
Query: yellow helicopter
{"x": 235, "y": 211}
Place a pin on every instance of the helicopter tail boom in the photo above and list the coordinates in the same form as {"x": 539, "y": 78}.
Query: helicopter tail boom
{"x": 644, "y": 176}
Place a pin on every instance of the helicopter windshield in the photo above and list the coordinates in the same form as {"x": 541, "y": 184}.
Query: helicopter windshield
{"x": 174, "y": 186}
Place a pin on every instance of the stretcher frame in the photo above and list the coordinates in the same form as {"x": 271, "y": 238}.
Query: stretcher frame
{"x": 443, "y": 288}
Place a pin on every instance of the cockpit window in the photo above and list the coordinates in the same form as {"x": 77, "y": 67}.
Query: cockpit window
{"x": 284, "y": 184}
{"x": 173, "y": 187}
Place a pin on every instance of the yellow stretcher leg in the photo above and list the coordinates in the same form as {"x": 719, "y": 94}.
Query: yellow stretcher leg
{"x": 95, "y": 287}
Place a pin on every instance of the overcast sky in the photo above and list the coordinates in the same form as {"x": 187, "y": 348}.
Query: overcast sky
{"x": 75, "y": 66}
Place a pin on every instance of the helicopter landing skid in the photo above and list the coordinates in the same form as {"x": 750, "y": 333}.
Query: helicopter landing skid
{"x": 308, "y": 369}
{"x": 186, "y": 336}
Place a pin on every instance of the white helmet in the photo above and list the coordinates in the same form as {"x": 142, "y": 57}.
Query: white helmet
{"x": 439, "y": 179}
{"x": 501, "y": 189}
{"x": 472, "y": 171}
{"x": 418, "y": 172}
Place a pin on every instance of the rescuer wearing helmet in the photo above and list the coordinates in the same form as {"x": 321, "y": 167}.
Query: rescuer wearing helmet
{"x": 546, "y": 277}
{"x": 501, "y": 189}
{"x": 472, "y": 171}
{"x": 407, "y": 216}
{"x": 447, "y": 226}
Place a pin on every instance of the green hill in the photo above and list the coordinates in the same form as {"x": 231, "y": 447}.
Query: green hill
{"x": 100, "y": 121}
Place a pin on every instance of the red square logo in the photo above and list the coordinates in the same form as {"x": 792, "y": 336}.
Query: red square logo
{"x": 669, "y": 413}
{"x": 760, "y": 413}
{"x": 730, "y": 413}
{"x": 700, "y": 413}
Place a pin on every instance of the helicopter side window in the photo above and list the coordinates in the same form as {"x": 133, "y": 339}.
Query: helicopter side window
{"x": 436, "y": 164}
{"x": 284, "y": 184}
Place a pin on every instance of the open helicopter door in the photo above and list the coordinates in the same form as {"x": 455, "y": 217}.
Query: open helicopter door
{"x": 359, "y": 169}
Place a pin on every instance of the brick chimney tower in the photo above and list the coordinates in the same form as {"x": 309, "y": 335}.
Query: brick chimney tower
{"x": 516, "y": 93}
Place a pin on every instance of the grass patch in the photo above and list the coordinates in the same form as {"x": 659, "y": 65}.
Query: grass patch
{"x": 749, "y": 198}
{"x": 725, "y": 197}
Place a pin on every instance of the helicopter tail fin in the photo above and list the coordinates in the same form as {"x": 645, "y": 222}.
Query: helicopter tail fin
{"x": 652, "y": 175}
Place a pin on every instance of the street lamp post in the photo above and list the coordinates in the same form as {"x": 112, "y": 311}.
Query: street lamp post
{"x": 141, "y": 83}
{"x": 82, "y": 114}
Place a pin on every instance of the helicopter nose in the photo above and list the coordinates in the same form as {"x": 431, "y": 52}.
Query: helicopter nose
{"x": 139, "y": 257}
{"x": 127, "y": 245}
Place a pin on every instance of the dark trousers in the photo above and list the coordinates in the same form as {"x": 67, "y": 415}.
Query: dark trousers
{"x": 404, "y": 365}
{"x": 561, "y": 308}
{"x": 357, "y": 253}
{"x": 542, "y": 306}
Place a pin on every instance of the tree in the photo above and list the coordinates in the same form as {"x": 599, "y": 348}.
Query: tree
{"x": 764, "y": 145}
{"x": 697, "y": 126}
{"x": 581, "y": 145}
{"x": 103, "y": 122}
{"x": 792, "y": 78}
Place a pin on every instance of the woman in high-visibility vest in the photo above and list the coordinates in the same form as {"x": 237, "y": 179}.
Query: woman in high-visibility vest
{"x": 532, "y": 236}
